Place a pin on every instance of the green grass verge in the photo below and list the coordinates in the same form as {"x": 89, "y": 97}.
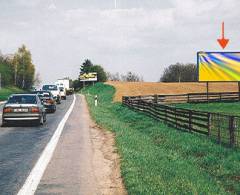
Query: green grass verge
{"x": 5, "y": 92}
{"x": 157, "y": 159}
{"x": 232, "y": 108}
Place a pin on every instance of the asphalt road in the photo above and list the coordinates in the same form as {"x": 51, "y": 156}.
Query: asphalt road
{"x": 21, "y": 146}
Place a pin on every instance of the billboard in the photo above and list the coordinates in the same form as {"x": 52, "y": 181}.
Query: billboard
{"x": 218, "y": 66}
{"x": 91, "y": 76}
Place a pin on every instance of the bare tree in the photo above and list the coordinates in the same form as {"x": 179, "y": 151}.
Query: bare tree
{"x": 113, "y": 76}
{"x": 37, "y": 80}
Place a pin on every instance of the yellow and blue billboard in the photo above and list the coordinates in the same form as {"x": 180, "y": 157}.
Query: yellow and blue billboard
{"x": 91, "y": 76}
{"x": 218, "y": 66}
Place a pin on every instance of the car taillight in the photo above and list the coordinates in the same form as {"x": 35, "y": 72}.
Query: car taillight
{"x": 50, "y": 101}
{"x": 35, "y": 109}
{"x": 7, "y": 110}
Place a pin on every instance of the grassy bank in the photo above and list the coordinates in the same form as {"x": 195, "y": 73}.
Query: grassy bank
{"x": 232, "y": 108}
{"x": 5, "y": 92}
{"x": 157, "y": 159}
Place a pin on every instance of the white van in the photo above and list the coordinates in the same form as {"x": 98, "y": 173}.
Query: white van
{"x": 55, "y": 91}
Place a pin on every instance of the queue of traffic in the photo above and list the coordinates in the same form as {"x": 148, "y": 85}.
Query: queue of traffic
{"x": 32, "y": 107}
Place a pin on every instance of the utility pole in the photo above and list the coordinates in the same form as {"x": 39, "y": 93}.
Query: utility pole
{"x": 115, "y": 4}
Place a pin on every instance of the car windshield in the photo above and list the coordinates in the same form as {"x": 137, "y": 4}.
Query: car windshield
{"x": 50, "y": 87}
{"x": 22, "y": 99}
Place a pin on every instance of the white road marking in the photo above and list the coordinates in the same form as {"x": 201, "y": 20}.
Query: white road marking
{"x": 37, "y": 172}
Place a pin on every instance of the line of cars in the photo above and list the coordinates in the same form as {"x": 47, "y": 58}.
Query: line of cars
{"x": 32, "y": 106}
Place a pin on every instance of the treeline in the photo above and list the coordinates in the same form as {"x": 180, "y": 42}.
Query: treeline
{"x": 102, "y": 76}
{"x": 180, "y": 73}
{"x": 86, "y": 67}
{"x": 128, "y": 77}
{"x": 17, "y": 69}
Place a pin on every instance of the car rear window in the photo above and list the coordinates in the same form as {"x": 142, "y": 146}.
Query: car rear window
{"x": 44, "y": 93}
{"x": 22, "y": 99}
{"x": 50, "y": 87}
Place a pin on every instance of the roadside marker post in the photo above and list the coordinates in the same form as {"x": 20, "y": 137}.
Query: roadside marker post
{"x": 96, "y": 100}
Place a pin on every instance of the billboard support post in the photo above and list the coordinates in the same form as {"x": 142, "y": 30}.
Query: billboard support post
{"x": 207, "y": 90}
{"x": 238, "y": 91}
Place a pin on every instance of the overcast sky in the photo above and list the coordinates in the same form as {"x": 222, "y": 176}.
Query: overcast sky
{"x": 142, "y": 36}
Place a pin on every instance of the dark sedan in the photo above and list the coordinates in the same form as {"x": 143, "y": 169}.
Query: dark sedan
{"x": 24, "y": 107}
{"x": 47, "y": 99}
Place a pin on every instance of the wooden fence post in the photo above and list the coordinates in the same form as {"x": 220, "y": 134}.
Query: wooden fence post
{"x": 165, "y": 109}
{"x": 188, "y": 98}
{"x": 209, "y": 124}
{"x": 176, "y": 122}
{"x": 156, "y": 98}
{"x": 190, "y": 121}
{"x": 231, "y": 131}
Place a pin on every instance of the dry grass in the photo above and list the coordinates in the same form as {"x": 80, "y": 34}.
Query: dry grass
{"x": 148, "y": 88}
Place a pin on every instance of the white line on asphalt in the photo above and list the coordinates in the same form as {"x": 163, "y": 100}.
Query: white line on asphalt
{"x": 37, "y": 172}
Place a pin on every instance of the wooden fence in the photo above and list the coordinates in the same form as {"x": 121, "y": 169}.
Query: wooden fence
{"x": 223, "y": 128}
{"x": 192, "y": 97}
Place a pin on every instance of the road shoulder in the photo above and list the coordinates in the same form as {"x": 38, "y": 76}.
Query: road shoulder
{"x": 85, "y": 160}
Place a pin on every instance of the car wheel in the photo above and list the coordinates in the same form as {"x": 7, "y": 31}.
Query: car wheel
{"x": 39, "y": 121}
{"x": 42, "y": 120}
{"x": 4, "y": 123}
{"x": 45, "y": 118}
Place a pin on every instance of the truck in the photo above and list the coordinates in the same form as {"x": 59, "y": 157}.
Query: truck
{"x": 66, "y": 83}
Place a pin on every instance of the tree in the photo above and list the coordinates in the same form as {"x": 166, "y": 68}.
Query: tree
{"x": 24, "y": 68}
{"x": 76, "y": 84}
{"x": 6, "y": 71}
{"x": 86, "y": 66}
{"x": 131, "y": 77}
{"x": 101, "y": 74}
{"x": 128, "y": 77}
{"x": 180, "y": 73}
{"x": 37, "y": 80}
{"x": 113, "y": 77}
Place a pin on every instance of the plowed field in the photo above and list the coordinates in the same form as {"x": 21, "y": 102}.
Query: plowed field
{"x": 149, "y": 88}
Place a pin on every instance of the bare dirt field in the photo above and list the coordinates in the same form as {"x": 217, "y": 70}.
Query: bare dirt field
{"x": 149, "y": 88}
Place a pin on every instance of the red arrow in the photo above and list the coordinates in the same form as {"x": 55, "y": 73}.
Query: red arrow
{"x": 223, "y": 42}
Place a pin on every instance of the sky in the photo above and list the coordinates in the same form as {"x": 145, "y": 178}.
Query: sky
{"x": 143, "y": 36}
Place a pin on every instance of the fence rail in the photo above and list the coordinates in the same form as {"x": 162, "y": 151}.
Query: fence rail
{"x": 223, "y": 128}
{"x": 192, "y": 97}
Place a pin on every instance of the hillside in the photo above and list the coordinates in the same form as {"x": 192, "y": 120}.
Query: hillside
{"x": 159, "y": 159}
{"x": 5, "y": 92}
{"x": 148, "y": 88}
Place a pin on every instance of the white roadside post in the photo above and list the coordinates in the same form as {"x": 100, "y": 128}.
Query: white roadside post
{"x": 96, "y": 100}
